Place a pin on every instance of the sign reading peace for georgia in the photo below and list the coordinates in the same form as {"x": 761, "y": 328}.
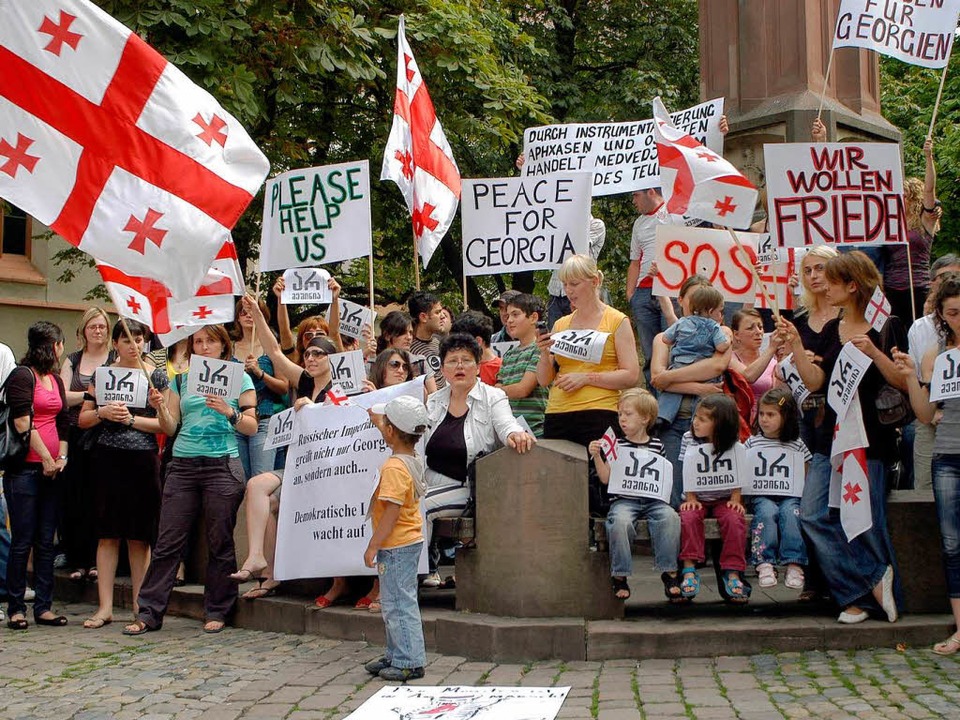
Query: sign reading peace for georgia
{"x": 316, "y": 216}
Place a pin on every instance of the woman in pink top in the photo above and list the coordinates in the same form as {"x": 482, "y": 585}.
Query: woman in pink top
{"x": 38, "y": 403}
{"x": 755, "y": 365}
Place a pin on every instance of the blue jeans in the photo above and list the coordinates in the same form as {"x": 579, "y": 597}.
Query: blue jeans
{"x": 253, "y": 457}
{"x": 852, "y": 569}
{"x": 671, "y": 438}
{"x": 664, "y": 526}
{"x": 398, "y": 602}
{"x": 4, "y": 546}
{"x": 649, "y": 321}
{"x": 32, "y": 504}
{"x": 775, "y": 535}
{"x": 946, "y": 492}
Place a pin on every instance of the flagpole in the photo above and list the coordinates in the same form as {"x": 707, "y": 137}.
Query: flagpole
{"x": 466, "y": 306}
{"x": 913, "y": 297}
{"x": 416, "y": 263}
{"x": 936, "y": 108}
{"x": 143, "y": 367}
{"x": 370, "y": 281}
{"x": 253, "y": 336}
{"x": 756, "y": 274}
{"x": 826, "y": 80}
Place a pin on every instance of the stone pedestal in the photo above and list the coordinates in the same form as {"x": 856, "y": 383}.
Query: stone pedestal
{"x": 915, "y": 531}
{"x": 533, "y": 558}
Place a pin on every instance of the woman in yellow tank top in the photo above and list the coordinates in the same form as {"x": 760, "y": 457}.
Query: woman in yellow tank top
{"x": 583, "y": 394}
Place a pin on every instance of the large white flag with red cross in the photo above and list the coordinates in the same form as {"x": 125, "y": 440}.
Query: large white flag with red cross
{"x": 697, "y": 182}
{"x": 418, "y": 157}
{"x": 114, "y": 148}
{"x": 850, "y": 479}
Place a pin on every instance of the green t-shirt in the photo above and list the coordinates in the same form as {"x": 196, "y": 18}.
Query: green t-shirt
{"x": 205, "y": 432}
{"x": 516, "y": 362}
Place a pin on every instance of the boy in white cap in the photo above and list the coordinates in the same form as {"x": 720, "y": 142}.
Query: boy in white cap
{"x": 398, "y": 538}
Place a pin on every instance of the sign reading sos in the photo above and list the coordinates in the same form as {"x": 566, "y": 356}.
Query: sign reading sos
{"x": 682, "y": 252}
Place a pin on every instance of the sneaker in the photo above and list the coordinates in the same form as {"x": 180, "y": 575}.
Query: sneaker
{"x": 401, "y": 674}
{"x": 29, "y": 595}
{"x": 375, "y": 666}
{"x": 433, "y": 580}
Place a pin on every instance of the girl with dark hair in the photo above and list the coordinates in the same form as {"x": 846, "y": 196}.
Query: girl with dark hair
{"x": 391, "y": 367}
{"x": 715, "y": 421}
{"x": 310, "y": 327}
{"x": 38, "y": 404}
{"x": 125, "y": 467}
{"x": 775, "y": 529}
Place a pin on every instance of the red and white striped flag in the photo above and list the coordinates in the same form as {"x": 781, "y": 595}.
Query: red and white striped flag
{"x": 418, "y": 157}
{"x": 114, "y": 148}
{"x": 696, "y": 181}
{"x": 850, "y": 480}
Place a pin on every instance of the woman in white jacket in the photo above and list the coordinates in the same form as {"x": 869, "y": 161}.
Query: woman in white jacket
{"x": 466, "y": 418}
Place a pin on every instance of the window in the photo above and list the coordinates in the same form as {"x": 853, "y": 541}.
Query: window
{"x": 15, "y": 234}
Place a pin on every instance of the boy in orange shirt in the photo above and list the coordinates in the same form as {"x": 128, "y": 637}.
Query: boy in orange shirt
{"x": 398, "y": 538}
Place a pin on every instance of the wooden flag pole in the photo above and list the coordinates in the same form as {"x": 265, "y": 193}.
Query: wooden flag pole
{"x": 370, "y": 282}
{"x": 126, "y": 329}
{"x": 466, "y": 306}
{"x": 913, "y": 297}
{"x": 253, "y": 336}
{"x": 416, "y": 263}
{"x": 756, "y": 274}
{"x": 936, "y": 108}
{"x": 826, "y": 81}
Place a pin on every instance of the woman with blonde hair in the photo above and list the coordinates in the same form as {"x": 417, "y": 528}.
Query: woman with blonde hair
{"x": 583, "y": 395}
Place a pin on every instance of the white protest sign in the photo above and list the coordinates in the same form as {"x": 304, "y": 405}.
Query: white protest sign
{"x": 468, "y": 702}
{"x": 585, "y": 345}
{"x": 280, "y": 430}
{"x": 348, "y": 370}
{"x": 121, "y": 385}
{"x": 500, "y": 348}
{"x": 776, "y": 280}
{"x": 306, "y": 285}
{"x": 767, "y": 250}
{"x": 517, "y": 224}
{"x": 945, "y": 382}
{"x": 352, "y": 318}
{"x": 774, "y": 471}
{"x": 791, "y": 376}
{"x": 211, "y": 376}
{"x": 526, "y": 426}
{"x": 878, "y": 310}
{"x": 847, "y": 373}
{"x": 622, "y": 157}
{"x": 316, "y": 215}
{"x": 331, "y": 472}
{"x": 919, "y": 32}
{"x": 682, "y": 252}
{"x": 640, "y": 473}
{"x": 704, "y": 472}
{"x": 838, "y": 193}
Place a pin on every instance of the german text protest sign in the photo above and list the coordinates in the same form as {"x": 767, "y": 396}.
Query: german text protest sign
{"x": 919, "y": 32}
{"x": 638, "y": 472}
{"x": 517, "y": 224}
{"x": 622, "y": 157}
{"x": 348, "y": 370}
{"x": 839, "y": 193}
{"x": 705, "y": 472}
{"x": 454, "y": 702}
{"x": 847, "y": 373}
{"x": 682, "y": 252}
{"x": 279, "y": 430}
{"x": 584, "y": 345}
{"x": 352, "y": 318}
{"x": 212, "y": 376}
{"x": 121, "y": 385}
{"x": 306, "y": 285}
{"x": 331, "y": 472}
{"x": 316, "y": 215}
{"x": 945, "y": 382}
{"x": 774, "y": 471}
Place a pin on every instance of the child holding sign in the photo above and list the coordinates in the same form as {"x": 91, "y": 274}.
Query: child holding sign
{"x": 775, "y": 530}
{"x": 716, "y": 421}
{"x": 636, "y": 413}
{"x": 397, "y": 538}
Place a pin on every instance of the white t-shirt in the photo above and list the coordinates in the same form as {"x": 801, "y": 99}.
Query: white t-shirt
{"x": 921, "y": 338}
{"x": 7, "y": 362}
{"x": 644, "y": 236}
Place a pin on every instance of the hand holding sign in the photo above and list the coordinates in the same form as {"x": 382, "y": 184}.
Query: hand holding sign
{"x": 775, "y": 471}
{"x": 213, "y": 377}
{"x": 638, "y": 472}
{"x": 306, "y": 285}
{"x": 945, "y": 382}
{"x": 127, "y": 386}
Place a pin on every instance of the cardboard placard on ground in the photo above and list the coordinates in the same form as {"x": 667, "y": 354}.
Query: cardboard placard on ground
{"x": 684, "y": 251}
{"x": 945, "y": 381}
{"x": 774, "y": 471}
{"x": 405, "y": 702}
{"x": 640, "y": 473}
{"x": 306, "y": 285}
{"x": 316, "y": 215}
{"x": 212, "y": 376}
{"x": 121, "y": 385}
{"x": 518, "y": 224}
{"x": 348, "y": 370}
{"x": 705, "y": 472}
{"x": 621, "y": 157}
{"x": 838, "y": 193}
{"x": 352, "y": 318}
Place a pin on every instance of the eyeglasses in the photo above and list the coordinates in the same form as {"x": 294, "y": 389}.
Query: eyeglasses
{"x": 309, "y": 335}
{"x": 97, "y": 328}
{"x": 397, "y": 364}
{"x": 459, "y": 363}
{"x": 314, "y": 354}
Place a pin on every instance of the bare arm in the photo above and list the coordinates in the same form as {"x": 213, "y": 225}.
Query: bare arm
{"x": 599, "y": 462}
{"x": 930, "y": 220}
{"x": 74, "y": 397}
{"x": 633, "y": 277}
{"x": 813, "y": 377}
{"x": 755, "y": 369}
{"x": 284, "y": 367}
{"x": 522, "y": 388}
{"x": 334, "y": 330}
{"x": 698, "y": 372}
{"x": 919, "y": 394}
{"x": 283, "y": 317}
{"x": 389, "y": 518}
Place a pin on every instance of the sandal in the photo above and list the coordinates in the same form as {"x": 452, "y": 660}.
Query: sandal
{"x": 95, "y": 623}
{"x": 620, "y": 586}
{"x": 363, "y": 603}
{"x": 211, "y": 627}
{"x": 374, "y": 607}
{"x": 767, "y": 575}
{"x": 671, "y": 588}
{"x": 78, "y": 575}
{"x": 795, "y": 578}
{"x": 690, "y": 584}
{"x": 735, "y": 589}
{"x": 948, "y": 647}
{"x": 245, "y": 576}
{"x": 262, "y": 591}
{"x": 18, "y": 623}
{"x": 93, "y": 575}
{"x": 137, "y": 627}
{"x": 323, "y": 602}
{"x": 55, "y": 621}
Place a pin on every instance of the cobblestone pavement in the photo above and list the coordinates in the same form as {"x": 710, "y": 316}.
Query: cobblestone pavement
{"x": 182, "y": 673}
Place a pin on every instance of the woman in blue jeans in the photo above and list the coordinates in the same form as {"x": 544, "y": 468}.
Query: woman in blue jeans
{"x": 946, "y": 446}
{"x": 859, "y": 572}
{"x": 38, "y": 404}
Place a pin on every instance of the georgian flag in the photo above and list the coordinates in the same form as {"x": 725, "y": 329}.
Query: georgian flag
{"x": 696, "y": 181}
{"x": 850, "y": 480}
{"x": 418, "y": 157}
{"x": 878, "y": 310}
{"x": 608, "y": 444}
{"x": 114, "y": 148}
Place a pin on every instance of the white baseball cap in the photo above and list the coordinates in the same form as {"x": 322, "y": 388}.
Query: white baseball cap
{"x": 406, "y": 413}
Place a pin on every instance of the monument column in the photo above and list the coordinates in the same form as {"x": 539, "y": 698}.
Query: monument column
{"x": 768, "y": 58}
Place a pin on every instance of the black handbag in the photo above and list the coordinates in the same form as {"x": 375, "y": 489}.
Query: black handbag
{"x": 14, "y": 445}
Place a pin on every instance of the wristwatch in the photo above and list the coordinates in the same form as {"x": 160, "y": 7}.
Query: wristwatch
{"x": 62, "y": 457}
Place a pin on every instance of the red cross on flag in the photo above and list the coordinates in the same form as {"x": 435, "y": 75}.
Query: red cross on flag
{"x": 114, "y": 148}
{"x": 878, "y": 310}
{"x": 850, "y": 480}
{"x": 696, "y": 181}
{"x": 418, "y": 157}
{"x": 608, "y": 444}
{"x": 336, "y": 396}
